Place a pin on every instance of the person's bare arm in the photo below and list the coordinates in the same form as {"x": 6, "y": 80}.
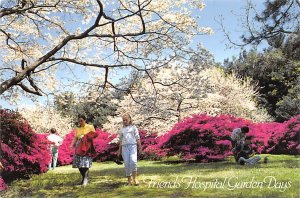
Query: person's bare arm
{"x": 1, "y": 166}
{"x": 139, "y": 145}
{"x": 120, "y": 149}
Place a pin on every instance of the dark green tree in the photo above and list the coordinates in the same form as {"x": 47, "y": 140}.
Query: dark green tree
{"x": 65, "y": 103}
{"x": 96, "y": 110}
{"x": 290, "y": 104}
{"x": 275, "y": 74}
{"x": 276, "y": 70}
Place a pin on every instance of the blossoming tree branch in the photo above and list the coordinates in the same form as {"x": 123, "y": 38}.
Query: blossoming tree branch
{"x": 43, "y": 43}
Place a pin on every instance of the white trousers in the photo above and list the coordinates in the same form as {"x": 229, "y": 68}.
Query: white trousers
{"x": 129, "y": 154}
{"x": 251, "y": 160}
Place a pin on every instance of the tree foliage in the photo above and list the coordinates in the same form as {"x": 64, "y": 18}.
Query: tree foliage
{"x": 275, "y": 70}
{"x": 182, "y": 90}
{"x": 289, "y": 106}
{"x": 96, "y": 107}
{"x": 42, "y": 119}
{"x": 277, "y": 77}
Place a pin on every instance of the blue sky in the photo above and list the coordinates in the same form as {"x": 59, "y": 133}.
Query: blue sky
{"x": 215, "y": 43}
{"x": 230, "y": 10}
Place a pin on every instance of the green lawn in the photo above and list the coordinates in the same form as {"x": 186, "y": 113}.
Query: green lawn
{"x": 168, "y": 178}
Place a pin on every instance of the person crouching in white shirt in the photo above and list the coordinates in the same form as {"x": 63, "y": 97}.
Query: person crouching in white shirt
{"x": 238, "y": 137}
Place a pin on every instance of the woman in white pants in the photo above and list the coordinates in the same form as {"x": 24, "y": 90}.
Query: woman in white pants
{"x": 129, "y": 139}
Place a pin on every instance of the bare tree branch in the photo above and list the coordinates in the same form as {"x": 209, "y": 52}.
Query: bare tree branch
{"x": 277, "y": 18}
{"x": 25, "y": 88}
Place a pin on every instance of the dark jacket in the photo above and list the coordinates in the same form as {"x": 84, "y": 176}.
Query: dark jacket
{"x": 86, "y": 146}
{"x": 244, "y": 150}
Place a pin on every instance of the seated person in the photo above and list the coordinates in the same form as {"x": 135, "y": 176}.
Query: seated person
{"x": 244, "y": 153}
{"x": 238, "y": 136}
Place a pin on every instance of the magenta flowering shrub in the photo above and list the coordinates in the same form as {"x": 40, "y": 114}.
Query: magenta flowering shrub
{"x": 206, "y": 138}
{"x": 3, "y": 185}
{"x": 112, "y": 147}
{"x": 286, "y": 141}
{"x": 199, "y": 137}
{"x": 103, "y": 146}
{"x": 106, "y": 146}
{"x": 23, "y": 151}
{"x": 147, "y": 139}
{"x": 148, "y": 142}
{"x": 65, "y": 154}
{"x": 110, "y": 153}
{"x": 276, "y": 138}
{"x": 265, "y": 135}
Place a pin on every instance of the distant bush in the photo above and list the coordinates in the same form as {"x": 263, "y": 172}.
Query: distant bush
{"x": 113, "y": 146}
{"x": 286, "y": 142}
{"x": 276, "y": 138}
{"x": 265, "y": 136}
{"x": 103, "y": 146}
{"x": 65, "y": 154}
{"x": 3, "y": 185}
{"x": 148, "y": 140}
{"x": 106, "y": 146}
{"x": 199, "y": 137}
{"x": 23, "y": 151}
{"x": 205, "y": 139}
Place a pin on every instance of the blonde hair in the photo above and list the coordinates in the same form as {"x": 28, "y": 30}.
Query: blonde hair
{"x": 127, "y": 115}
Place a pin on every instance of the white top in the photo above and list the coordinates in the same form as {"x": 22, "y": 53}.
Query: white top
{"x": 237, "y": 135}
{"x": 128, "y": 135}
{"x": 57, "y": 140}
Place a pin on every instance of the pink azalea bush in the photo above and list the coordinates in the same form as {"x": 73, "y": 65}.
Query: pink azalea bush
{"x": 146, "y": 138}
{"x": 112, "y": 147}
{"x": 265, "y": 135}
{"x": 286, "y": 142}
{"x": 148, "y": 141}
{"x": 106, "y": 146}
{"x": 65, "y": 154}
{"x": 199, "y": 137}
{"x": 101, "y": 146}
{"x": 276, "y": 138}
{"x": 23, "y": 151}
{"x": 204, "y": 138}
{"x": 3, "y": 185}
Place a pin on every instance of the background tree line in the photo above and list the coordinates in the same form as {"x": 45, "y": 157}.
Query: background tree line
{"x": 275, "y": 71}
